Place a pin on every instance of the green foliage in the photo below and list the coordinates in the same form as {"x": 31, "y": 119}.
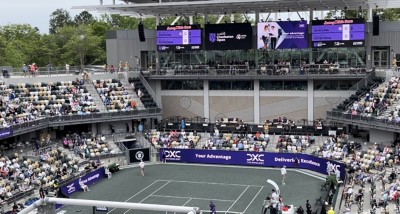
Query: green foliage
{"x": 58, "y": 19}
{"x": 84, "y": 18}
{"x": 76, "y": 41}
{"x": 391, "y": 14}
{"x": 18, "y": 44}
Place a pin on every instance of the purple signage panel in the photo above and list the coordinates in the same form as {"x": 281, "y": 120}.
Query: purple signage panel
{"x": 337, "y": 28}
{"x": 87, "y": 179}
{"x": 172, "y": 38}
{"x": 282, "y": 35}
{"x": 6, "y": 132}
{"x": 338, "y": 36}
{"x": 338, "y": 33}
{"x": 179, "y": 41}
{"x": 265, "y": 159}
{"x": 178, "y": 34}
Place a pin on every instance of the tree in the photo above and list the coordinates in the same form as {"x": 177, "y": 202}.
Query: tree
{"x": 119, "y": 22}
{"x": 19, "y": 44}
{"x": 59, "y": 18}
{"x": 391, "y": 14}
{"x": 82, "y": 47}
{"x": 84, "y": 18}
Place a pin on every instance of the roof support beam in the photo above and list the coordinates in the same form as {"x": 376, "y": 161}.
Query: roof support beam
{"x": 176, "y": 19}
{"x": 220, "y": 17}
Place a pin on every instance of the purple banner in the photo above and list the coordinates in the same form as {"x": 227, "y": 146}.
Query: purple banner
{"x": 243, "y": 158}
{"x": 337, "y": 28}
{"x": 6, "y": 132}
{"x": 172, "y": 34}
{"x": 179, "y": 38}
{"x": 179, "y": 41}
{"x": 338, "y": 36}
{"x": 338, "y": 33}
{"x": 87, "y": 179}
{"x": 282, "y": 35}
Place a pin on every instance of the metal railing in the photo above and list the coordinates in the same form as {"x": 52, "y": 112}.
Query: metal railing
{"x": 79, "y": 119}
{"x": 371, "y": 120}
{"x": 258, "y": 71}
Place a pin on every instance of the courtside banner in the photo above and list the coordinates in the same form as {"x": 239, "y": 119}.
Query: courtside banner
{"x": 244, "y": 158}
{"x": 87, "y": 179}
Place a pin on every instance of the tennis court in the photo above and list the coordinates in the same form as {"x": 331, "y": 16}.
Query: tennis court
{"x": 231, "y": 188}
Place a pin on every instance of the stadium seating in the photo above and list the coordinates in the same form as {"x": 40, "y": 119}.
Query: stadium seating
{"x": 24, "y": 102}
{"x": 142, "y": 93}
{"x": 114, "y": 96}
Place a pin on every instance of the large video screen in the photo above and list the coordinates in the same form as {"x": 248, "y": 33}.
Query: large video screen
{"x": 338, "y": 33}
{"x": 178, "y": 38}
{"x": 282, "y": 35}
{"x": 234, "y": 36}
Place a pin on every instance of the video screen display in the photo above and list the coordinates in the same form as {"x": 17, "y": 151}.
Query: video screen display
{"x": 234, "y": 36}
{"x": 282, "y": 35}
{"x": 338, "y": 33}
{"x": 178, "y": 38}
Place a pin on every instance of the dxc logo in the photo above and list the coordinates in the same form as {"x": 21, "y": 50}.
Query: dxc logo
{"x": 332, "y": 167}
{"x": 173, "y": 154}
{"x": 255, "y": 157}
{"x": 71, "y": 188}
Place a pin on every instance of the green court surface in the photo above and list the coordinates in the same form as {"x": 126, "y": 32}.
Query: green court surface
{"x": 231, "y": 188}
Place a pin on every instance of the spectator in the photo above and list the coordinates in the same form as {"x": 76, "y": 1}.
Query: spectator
{"x": 84, "y": 187}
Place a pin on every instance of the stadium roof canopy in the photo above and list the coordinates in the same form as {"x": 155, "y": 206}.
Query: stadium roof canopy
{"x": 146, "y": 8}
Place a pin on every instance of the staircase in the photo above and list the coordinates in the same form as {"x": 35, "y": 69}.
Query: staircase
{"x": 131, "y": 92}
{"x": 96, "y": 97}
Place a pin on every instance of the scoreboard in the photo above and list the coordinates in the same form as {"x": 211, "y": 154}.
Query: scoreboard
{"x": 338, "y": 33}
{"x": 175, "y": 38}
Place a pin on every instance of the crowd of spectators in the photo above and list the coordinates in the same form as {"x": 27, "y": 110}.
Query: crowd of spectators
{"x": 374, "y": 103}
{"x": 87, "y": 147}
{"x": 114, "y": 96}
{"x": 25, "y": 102}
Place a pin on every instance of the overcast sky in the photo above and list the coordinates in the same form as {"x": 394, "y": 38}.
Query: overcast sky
{"x": 37, "y": 13}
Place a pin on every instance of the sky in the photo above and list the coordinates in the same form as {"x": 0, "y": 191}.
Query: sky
{"x": 37, "y": 13}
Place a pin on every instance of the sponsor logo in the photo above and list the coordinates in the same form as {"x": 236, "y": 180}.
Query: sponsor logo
{"x": 71, "y": 188}
{"x": 319, "y": 44}
{"x": 173, "y": 155}
{"x": 139, "y": 155}
{"x": 331, "y": 166}
{"x": 257, "y": 159}
{"x": 357, "y": 43}
{"x": 338, "y": 44}
{"x": 212, "y": 37}
{"x": 240, "y": 36}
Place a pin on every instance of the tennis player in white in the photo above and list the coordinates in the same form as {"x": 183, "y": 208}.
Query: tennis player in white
{"x": 284, "y": 174}
{"x": 141, "y": 166}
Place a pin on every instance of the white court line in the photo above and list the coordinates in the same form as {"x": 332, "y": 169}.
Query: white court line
{"x": 151, "y": 194}
{"x": 136, "y": 194}
{"x": 205, "y": 199}
{"x": 238, "y": 198}
{"x": 199, "y": 182}
{"x": 186, "y": 202}
{"x": 252, "y": 200}
{"x": 311, "y": 175}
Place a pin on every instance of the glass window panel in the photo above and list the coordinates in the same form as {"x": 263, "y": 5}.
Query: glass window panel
{"x": 192, "y": 85}
{"x": 171, "y": 85}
